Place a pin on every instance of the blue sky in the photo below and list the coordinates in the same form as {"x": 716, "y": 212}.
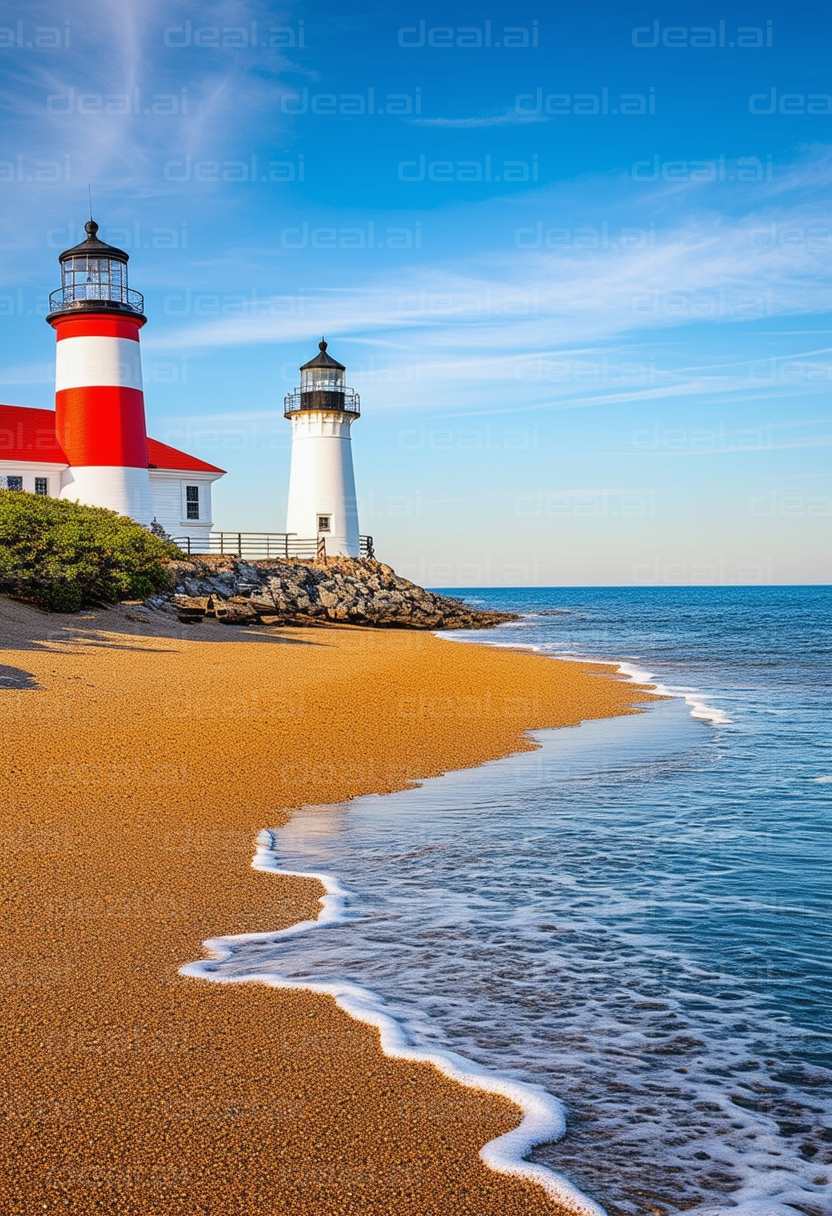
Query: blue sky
{"x": 576, "y": 260}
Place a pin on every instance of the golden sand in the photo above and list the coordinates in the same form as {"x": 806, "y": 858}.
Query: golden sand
{"x": 139, "y": 763}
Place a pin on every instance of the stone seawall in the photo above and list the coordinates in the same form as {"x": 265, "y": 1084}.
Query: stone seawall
{"x": 356, "y": 591}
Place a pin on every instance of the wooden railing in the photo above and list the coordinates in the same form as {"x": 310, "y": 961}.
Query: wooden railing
{"x": 260, "y": 546}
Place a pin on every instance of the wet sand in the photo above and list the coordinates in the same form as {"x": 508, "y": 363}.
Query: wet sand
{"x": 140, "y": 761}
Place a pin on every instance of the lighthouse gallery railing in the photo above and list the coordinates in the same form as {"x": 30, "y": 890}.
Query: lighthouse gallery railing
{"x": 87, "y": 295}
{"x": 346, "y": 400}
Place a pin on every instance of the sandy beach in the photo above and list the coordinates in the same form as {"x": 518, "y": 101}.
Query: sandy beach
{"x": 142, "y": 760}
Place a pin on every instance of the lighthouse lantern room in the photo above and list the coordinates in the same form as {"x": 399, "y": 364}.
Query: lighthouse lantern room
{"x": 322, "y": 502}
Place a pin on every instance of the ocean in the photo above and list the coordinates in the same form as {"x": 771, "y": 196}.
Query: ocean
{"x": 634, "y": 918}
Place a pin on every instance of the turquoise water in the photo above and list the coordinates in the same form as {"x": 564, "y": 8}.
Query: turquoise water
{"x": 635, "y": 916}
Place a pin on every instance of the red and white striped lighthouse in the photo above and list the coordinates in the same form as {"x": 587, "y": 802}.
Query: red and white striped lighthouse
{"x": 99, "y": 401}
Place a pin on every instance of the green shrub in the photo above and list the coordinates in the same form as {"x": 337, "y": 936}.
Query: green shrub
{"x": 61, "y": 554}
{"x": 60, "y": 597}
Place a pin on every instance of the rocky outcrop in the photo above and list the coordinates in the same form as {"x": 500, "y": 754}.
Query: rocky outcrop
{"x": 355, "y": 591}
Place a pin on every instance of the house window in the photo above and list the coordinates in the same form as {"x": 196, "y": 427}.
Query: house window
{"x": 41, "y": 485}
{"x": 323, "y": 523}
{"x": 192, "y": 502}
{"x": 14, "y": 483}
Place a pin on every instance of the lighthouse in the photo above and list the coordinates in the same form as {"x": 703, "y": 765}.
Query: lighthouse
{"x": 322, "y": 501}
{"x": 99, "y": 402}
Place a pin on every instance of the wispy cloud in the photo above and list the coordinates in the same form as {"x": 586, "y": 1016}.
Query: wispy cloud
{"x": 824, "y": 441}
{"x": 502, "y": 118}
{"x": 121, "y": 146}
{"x": 705, "y": 271}
{"x": 568, "y": 327}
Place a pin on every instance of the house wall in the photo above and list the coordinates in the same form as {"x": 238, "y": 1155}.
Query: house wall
{"x": 168, "y": 493}
{"x": 29, "y": 470}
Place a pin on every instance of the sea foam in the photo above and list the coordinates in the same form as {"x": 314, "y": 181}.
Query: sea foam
{"x": 636, "y": 675}
{"x": 543, "y": 1115}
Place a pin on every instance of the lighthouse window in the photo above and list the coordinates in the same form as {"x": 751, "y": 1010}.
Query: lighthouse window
{"x": 95, "y": 278}
{"x": 14, "y": 483}
{"x": 192, "y": 502}
{"x": 41, "y": 485}
{"x": 323, "y": 523}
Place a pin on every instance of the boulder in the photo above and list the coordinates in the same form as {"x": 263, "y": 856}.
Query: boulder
{"x": 362, "y": 591}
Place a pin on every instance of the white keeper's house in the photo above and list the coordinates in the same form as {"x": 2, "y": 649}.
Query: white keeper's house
{"x": 94, "y": 447}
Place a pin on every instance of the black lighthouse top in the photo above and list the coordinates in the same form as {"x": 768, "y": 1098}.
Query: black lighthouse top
{"x": 322, "y": 359}
{"x": 322, "y": 387}
{"x": 94, "y": 279}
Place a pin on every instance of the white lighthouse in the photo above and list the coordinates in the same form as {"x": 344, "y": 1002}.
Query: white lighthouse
{"x": 322, "y": 501}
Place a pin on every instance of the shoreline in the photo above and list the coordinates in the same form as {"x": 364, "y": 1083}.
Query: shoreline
{"x": 544, "y": 1115}
{"x": 140, "y": 868}
{"x": 639, "y": 676}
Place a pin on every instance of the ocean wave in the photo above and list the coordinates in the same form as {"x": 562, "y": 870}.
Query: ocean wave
{"x": 543, "y": 1115}
{"x": 691, "y": 696}
{"x": 731, "y": 1113}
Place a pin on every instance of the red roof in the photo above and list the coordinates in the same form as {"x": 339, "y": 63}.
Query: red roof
{"x": 162, "y": 456}
{"x": 28, "y": 434}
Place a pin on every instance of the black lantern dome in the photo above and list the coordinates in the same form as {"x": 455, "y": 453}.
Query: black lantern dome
{"x": 323, "y": 387}
{"x": 94, "y": 278}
